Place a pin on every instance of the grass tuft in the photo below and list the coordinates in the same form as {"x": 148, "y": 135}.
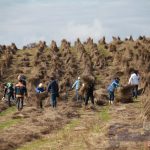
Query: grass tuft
{"x": 52, "y": 143}
{"x": 104, "y": 114}
{"x": 9, "y": 123}
{"x": 10, "y": 110}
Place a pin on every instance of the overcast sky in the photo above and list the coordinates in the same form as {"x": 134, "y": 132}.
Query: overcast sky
{"x": 25, "y": 21}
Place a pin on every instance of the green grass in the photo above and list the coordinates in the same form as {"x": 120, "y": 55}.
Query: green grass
{"x": 34, "y": 145}
{"x": 71, "y": 125}
{"x": 9, "y": 123}
{"x": 60, "y": 136}
{"x": 104, "y": 114}
{"x": 8, "y": 111}
{"x": 65, "y": 137}
{"x": 103, "y": 117}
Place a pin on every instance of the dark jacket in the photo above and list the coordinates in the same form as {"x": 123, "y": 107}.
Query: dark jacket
{"x": 24, "y": 82}
{"x": 90, "y": 89}
{"x": 53, "y": 87}
{"x": 8, "y": 91}
{"x": 20, "y": 90}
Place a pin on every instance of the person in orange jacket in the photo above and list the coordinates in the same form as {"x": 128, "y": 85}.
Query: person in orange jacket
{"x": 20, "y": 92}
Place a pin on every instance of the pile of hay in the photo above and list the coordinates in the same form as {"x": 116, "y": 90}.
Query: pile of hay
{"x": 124, "y": 94}
{"x": 87, "y": 79}
{"x": 146, "y": 111}
{"x": 40, "y": 97}
{"x": 101, "y": 97}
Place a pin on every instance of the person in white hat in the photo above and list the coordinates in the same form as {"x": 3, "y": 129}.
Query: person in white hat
{"x": 77, "y": 86}
{"x": 40, "y": 89}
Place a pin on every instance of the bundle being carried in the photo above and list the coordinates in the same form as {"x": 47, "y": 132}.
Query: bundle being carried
{"x": 124, "y": 94}
{"x": 41, "y": 97}
{"x": 87, "y": 80}
{"x": 101, "y": 97}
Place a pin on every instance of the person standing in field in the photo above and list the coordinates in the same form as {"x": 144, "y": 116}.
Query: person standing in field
{"x": 20, "y": 92}
{"x": 134, "y": 80}
{"x": 77, "y": 86}
{"x": 89, "y": 93}
{"x": 111, "y": 89}
{"x": 22, "y": 78}
{"x": 39, "y": 89}
{"x": 54, "y": 91}
{"x": 9, "y": 92}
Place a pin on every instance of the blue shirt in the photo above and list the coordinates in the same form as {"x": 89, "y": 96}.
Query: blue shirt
{"x": 113, "y": 86}
{"x": 76, "y": 84}
{"x": 39, "y": 90}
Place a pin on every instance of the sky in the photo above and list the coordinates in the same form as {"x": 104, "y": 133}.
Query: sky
{"x": 27, "y": 21}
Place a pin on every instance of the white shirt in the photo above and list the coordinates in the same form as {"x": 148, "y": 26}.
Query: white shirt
{"x": 134, "y": 79}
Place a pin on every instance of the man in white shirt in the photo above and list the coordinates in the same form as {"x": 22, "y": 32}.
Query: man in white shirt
{"x": 134, "y": 80}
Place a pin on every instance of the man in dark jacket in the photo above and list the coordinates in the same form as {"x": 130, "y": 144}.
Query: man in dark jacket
{"x": 20, "y": 92}
{"x": 89, "y": 93}
{"x": 9, "y": 91}
{"x": 53, "y": 89}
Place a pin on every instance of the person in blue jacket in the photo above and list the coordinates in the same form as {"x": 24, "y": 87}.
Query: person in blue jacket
{"x": 54, "y": 90}
{"x": 111, "y": 89}
{"x": 77, "y": 86}
{"x": 40, "y": 89}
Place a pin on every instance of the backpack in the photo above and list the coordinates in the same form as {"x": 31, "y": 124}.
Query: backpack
{"x": 19, "y": 90}
{"x": 10, "y": 88}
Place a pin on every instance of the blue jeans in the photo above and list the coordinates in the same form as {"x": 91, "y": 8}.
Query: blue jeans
{"x": 53, "y": 99}
{"x": 135, "y": 91}
{"x": 77, "y": 95}
{"x": 20, "y": 103}
{"x": 111, "y": 95}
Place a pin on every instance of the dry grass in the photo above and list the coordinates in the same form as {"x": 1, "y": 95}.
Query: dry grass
{"x": 9, "y": 123}
{"x": 81, "y": 59}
